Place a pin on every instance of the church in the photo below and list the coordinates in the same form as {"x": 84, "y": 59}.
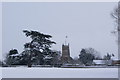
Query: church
{"x": 65, "y": 58}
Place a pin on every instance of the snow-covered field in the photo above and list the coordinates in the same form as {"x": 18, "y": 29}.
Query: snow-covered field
{"x": 24, "y": 72}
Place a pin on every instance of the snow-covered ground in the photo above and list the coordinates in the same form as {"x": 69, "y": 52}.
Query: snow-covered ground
{"x": 36, "y": 72}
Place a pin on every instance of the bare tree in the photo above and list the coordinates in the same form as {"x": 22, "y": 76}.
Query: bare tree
{"x": 116, "y": 16}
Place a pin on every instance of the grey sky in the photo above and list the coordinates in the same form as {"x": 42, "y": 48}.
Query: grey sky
{"x": 85, "y": 24}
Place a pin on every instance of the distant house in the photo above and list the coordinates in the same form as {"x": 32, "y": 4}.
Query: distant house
{"x": 103, "y": 62}
{"x": 99, "y": 62}
{"x": 116, "y": 62}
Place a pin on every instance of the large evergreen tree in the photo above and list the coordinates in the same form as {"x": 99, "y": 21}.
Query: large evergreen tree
{"x": 38, "y": 47}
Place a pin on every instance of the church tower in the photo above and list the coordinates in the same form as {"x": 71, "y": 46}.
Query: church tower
{"x": 66, "y": 54}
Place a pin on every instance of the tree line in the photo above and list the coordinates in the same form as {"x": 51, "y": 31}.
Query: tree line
{"x": 38, "y": 52}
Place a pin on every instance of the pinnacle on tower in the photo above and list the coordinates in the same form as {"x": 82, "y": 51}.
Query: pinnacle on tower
{"x": 66, "y": 40}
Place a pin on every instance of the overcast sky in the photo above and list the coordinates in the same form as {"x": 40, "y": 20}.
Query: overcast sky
{"x": 86, "y": 25}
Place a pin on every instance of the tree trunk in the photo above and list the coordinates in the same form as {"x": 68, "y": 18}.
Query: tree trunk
{"x": 119, "y": 37}
{"x": 29, "y": 61}
{"x": 119, "y": 30}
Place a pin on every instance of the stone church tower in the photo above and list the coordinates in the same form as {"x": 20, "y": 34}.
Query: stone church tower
{"x": 66, "y": 54}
